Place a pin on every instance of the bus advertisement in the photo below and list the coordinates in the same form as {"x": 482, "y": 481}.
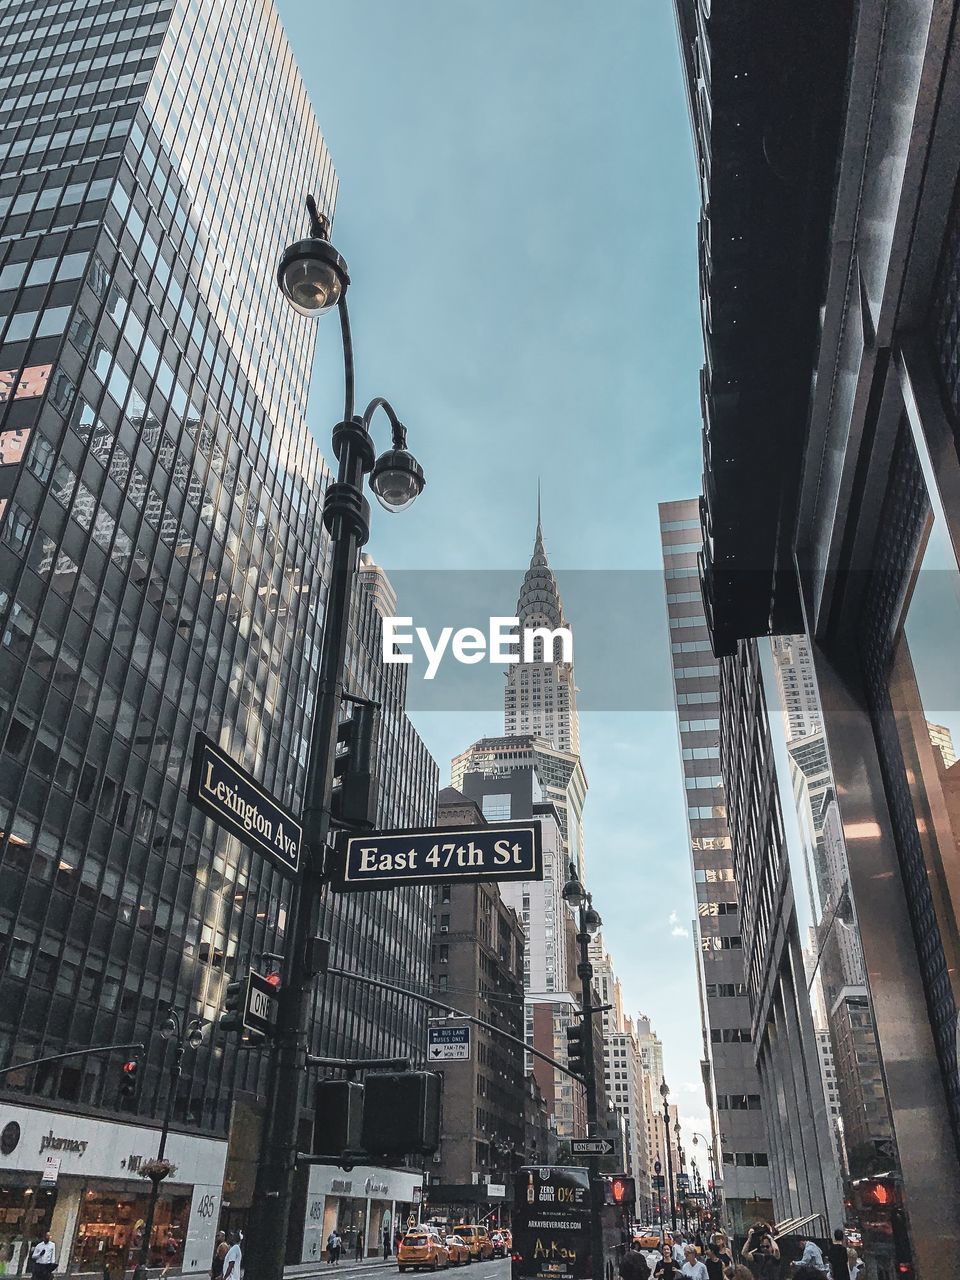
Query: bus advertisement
{"x": 551, "y": 1223}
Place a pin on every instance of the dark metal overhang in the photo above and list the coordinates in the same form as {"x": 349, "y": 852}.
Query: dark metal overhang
{"x": 766, "y": 110}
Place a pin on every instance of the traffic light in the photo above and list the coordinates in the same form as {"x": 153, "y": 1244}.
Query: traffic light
{"x": 401, "y": 1113}
{"x": 354, "y": 800}
{"x": 233, "y": 1000}
{"x": 337, "y": 1117}
{"x": 576, "y": 1050}
{"x": 130, "y": 1078}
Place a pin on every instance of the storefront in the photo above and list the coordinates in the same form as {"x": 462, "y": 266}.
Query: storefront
{"x": 77, "y": 1178}
{"x": 373, "y": 1202}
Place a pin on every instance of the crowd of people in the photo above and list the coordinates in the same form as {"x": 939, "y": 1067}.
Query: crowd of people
{"x": 712, "y": 1257}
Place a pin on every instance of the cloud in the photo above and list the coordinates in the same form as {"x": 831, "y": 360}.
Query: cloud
{"x": 678, "y": 931}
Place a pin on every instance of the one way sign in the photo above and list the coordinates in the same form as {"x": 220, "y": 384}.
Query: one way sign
{"x": 590, "y": 1147}
{"x": 448, "y": 1044}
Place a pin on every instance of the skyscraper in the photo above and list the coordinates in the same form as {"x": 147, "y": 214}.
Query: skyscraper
{"x": 623, "y": 1070}
{"x": 540, "y": 696}
{"x": 735, "y": 1102}
{"x": 804, "y": 1173}
{"x": 161, "y": 562}
{"x": 831, "y": 419}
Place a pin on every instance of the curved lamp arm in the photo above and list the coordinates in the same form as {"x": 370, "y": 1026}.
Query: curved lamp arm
{"x": 398, "y": 429}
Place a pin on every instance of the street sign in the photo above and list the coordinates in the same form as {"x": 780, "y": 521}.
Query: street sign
{"x": 658, "y": 1182}
{"x": 448, "y": 1044}
{"x": 590, "y": 1147}
{"x": 461, "y": 855}
{"x": 260, "y": 1005}
{"x": 236, "y": 801}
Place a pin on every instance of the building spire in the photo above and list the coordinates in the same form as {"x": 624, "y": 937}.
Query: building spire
{"x": 539, "y": 602}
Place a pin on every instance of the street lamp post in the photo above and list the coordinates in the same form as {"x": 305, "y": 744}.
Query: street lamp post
{"x": 714, "y": 1191}
{"x": 697, "y": 1189}
{"x": 314, "y": 279}
{"x": 681, "y": 1160}
{"x": 588, "y": 923}
{"x": 658, "y": 1169}
{"x": 190, "y": 1033}
{"x": 665, "y": 1094}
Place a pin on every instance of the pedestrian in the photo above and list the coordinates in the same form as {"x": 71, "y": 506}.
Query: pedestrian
{"x": 813, "y": 1257}
{"x": 855, "y": 1265}
{"x": 692, "y": 1267}
{"x": 805, "y": 1271}
{"x": 358, "y": 1254}
{"x": 386, "y": 1244}
{"x": 666, "y": 1268}
{"x": 713, "y": 1262}
{"x": 220, "y": 1248}
{"x": 233, "y": 1262}
{"x": 633, "y": 1264}
{"x": 170, "y": 1249}
{"x": 737, "y": 1271}
{"x": 760, "y": 1252}
{"x": 677, "y": 1247}
{"x": 722, "y": 1244}
{"x": 43, "y": 1258}
{"x": 837, "y": 1255}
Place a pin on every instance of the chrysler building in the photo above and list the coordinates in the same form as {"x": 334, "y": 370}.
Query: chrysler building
{"x": 541, "y": 697}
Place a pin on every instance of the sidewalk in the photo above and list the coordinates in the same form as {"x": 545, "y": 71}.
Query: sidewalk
{"x": 320, "y": 1266}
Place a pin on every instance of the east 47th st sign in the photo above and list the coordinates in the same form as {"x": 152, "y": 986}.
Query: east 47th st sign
{"x": 387, "y": 859}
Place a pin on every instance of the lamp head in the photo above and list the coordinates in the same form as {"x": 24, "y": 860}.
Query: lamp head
{"x": 397, "y": 479}
{"x": 592, "y": 921}
{"x": 195, "y": 1036}
{"x": 664, "y": 1090}
{"x": 169, "y": 1028}
{"x": 572, "y": 892}
{"x": 312, "y": 275}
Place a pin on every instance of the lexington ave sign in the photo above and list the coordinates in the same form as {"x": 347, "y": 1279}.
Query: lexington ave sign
{"x": 387, "y": 859}
{"x": 238, "y": 803}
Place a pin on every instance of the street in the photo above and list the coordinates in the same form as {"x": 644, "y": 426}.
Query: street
{"x": 494, "y": 1269}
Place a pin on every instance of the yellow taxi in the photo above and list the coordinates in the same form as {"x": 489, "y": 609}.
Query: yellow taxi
{"x": 647, "y": 1238}
{"x": 457, "y": 1250}
{"x": 477, "y": 1240}
{"x": 422, "y": 1247}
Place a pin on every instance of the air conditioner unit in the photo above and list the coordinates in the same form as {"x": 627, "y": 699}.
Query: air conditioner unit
{"x": 444, "y": 928}
{"x": 436, "y": 1158}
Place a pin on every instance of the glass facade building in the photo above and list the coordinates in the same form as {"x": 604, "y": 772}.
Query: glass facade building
{"x": 162, "y": 554}
{"x": 729, "y": 1069}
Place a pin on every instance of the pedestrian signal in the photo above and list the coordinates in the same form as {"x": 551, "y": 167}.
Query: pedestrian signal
{"x": 622, "y": 1190}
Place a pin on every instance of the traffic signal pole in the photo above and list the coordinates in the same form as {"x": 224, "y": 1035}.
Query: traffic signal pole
{"x": 346, "y": 517}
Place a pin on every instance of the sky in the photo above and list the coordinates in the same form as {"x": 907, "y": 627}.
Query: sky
{"x": 518, "y": 208}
